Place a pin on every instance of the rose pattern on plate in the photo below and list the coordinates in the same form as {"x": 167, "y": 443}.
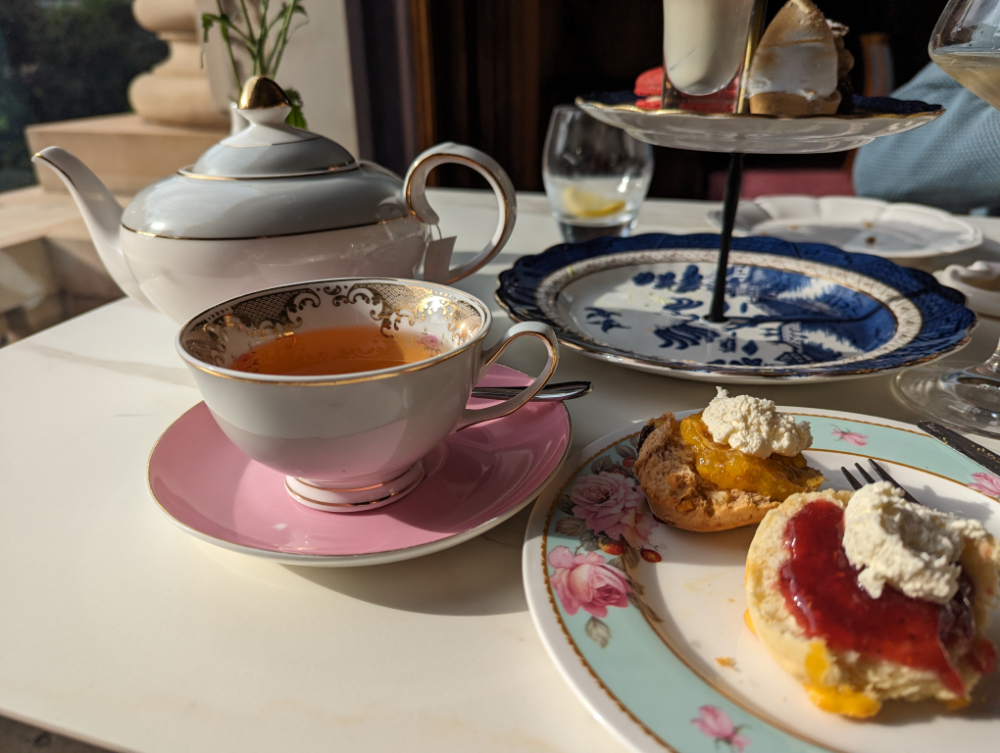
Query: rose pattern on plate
{"x": 851, "y": 437}
{"x": 610, "y": 503}
{"x": 586, "y": 581}
{"x": 986, "y": 483}
{"x": 715, "y": 723}
{"x": 607, "y": 512}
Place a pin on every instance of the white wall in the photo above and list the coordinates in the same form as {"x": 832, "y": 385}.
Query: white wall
{"x": 317, "y": 62}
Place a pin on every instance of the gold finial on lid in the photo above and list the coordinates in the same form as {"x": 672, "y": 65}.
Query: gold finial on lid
{"x": 261, "y": 93}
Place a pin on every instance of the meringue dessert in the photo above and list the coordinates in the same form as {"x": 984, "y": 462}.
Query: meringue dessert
{"x": 866, "y": 597}
{"x": 797, "y": 64}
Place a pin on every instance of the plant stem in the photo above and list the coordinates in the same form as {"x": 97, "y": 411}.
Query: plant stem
{"x": 283, "y": 36}
{"x": 229, "y": 48}
{"x": 262, "y": 38}
{"x": 251, "y": 44}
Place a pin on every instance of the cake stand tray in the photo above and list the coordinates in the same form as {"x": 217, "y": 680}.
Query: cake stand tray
{"x": 760, "y": 134}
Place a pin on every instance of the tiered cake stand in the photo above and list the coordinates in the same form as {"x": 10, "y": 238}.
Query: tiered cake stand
{"x": 755, "y": 134}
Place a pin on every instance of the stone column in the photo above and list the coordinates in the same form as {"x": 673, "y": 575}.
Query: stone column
{"x": 177, "y": 91}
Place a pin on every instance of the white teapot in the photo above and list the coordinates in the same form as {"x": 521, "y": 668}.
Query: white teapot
{"x": 273, "y": 205}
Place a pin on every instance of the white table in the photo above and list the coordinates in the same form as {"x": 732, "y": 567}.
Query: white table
{"x": 118, "y": 628}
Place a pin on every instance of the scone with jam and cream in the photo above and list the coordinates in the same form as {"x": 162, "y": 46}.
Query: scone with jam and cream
{"x": 865, "y": 597}
{"x": 724, "y": 467}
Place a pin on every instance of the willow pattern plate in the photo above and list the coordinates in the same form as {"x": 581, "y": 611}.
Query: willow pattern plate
{"x": 796, "y": 312}
{"x": 851, "y": 223}
{"x": 760, "y": 134}
{"x": 645, "y": 621}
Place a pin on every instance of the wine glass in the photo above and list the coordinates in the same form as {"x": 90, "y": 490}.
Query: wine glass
{"x": 596, "y": 176}
{"x": 966, "y": 45}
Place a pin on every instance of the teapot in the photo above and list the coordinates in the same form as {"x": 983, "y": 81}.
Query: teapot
{"x": 272, "y": 205}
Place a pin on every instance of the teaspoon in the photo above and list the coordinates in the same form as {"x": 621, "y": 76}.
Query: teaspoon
{"x": 558, "y": 391}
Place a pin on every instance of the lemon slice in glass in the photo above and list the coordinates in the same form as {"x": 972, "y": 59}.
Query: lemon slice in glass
{"x": 582, "y": 203}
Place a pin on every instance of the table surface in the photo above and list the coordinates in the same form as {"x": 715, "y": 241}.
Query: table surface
{"x": 120, "y": 629}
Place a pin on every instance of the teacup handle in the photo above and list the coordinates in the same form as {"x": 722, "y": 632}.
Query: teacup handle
{"x": 535, "y": 329}
{"x": 414, "y": 188}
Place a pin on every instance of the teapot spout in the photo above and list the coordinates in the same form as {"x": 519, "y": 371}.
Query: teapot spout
{"x": 101, "y": 213}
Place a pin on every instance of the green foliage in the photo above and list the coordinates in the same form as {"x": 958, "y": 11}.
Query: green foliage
{"x": 295, "y": 117}
{"x": 265, "y": 53}
{"x": 66, "y": 60}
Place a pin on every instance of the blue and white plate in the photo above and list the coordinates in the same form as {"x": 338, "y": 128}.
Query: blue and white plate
{"x": 645, "y": 621}
{"x": 796, "y": 311}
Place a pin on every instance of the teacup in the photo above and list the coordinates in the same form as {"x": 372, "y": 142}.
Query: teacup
{"x": 345, "y": 385}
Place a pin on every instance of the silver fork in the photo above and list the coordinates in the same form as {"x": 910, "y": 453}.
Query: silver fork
{"x": 883, "y": 474}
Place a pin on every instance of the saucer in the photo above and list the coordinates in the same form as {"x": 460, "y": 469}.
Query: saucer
{"x": 474, "y": 480}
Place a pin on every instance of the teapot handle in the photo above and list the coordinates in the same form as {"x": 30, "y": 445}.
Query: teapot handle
{"x": 414, "y": 186}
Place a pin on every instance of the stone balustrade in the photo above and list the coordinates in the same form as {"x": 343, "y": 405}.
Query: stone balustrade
{"x": 177, "y": 91}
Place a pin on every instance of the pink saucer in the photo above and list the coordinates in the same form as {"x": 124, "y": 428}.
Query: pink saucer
{"x": 474, "y": 481}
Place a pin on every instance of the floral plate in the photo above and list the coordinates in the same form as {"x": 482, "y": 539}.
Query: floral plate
{"x": 760, "y": 134}
{"x": 645, "y": 621}
{"x": 796, "y": 311}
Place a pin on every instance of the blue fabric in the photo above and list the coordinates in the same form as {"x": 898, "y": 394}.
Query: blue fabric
{"x": 952, "y": 163}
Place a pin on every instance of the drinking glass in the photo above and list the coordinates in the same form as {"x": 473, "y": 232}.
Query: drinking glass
{"x": 966, "y": 44}
{"x": 596, "y": 176}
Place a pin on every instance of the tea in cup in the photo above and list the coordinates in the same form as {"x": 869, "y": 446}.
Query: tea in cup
{"x": 346, "y": 385}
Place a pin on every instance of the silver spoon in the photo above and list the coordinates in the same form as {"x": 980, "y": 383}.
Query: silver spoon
{"x": 558, "y": 391}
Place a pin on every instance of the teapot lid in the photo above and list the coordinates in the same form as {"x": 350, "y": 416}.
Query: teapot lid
{"x": 269, "y": 147}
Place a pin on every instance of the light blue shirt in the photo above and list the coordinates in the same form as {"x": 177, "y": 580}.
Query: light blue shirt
{"x": 952, "y": 163}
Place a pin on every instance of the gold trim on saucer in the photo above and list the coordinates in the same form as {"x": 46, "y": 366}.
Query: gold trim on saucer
{"x": 307, "y": 501}
{"x": 357, "y": 488}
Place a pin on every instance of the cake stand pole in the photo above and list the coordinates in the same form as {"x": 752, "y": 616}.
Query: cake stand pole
{"x": 731, "y": 199}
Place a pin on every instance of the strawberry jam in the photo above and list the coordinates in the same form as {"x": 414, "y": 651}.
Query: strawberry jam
{"x": 821, "y": 588}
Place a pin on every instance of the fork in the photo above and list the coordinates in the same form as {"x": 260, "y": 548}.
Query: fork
{"x": 883, "y": 474}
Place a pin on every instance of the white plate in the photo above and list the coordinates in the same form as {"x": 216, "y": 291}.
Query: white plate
{"x": 754, "y": 134}
{"x": 649, "y": 666}
{"x": 870, "y": 226}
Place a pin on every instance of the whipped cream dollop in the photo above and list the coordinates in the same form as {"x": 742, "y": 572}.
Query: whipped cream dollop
{"x": 910, "y": 547}
{"x": 796, "y": 55}
{"x": 752, "y": 425}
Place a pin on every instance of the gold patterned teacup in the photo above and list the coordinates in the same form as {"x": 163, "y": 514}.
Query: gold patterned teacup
{"x": 345, "y": 385}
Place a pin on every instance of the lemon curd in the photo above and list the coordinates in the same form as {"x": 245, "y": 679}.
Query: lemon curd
{"x": 775, "y": 476}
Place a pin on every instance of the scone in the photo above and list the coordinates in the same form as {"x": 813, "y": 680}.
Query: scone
{"x": 678, "y": 495}
{"x": 698, "y": 481}
{"x": 810, "y": 606}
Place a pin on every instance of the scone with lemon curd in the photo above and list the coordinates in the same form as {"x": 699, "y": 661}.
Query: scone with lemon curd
{"x": 865, "y": 597}
{"x": 724, "y": 467}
